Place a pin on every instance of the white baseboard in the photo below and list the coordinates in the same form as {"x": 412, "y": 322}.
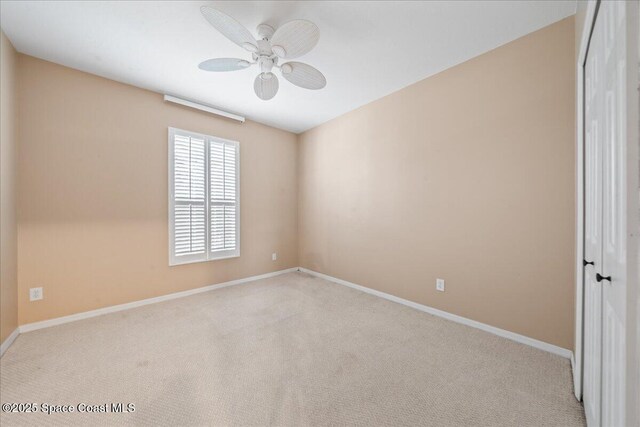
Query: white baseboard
{"x": 115, "y": 308}
{"x": 453, "y": 317}
{"x": 10, "y": 339}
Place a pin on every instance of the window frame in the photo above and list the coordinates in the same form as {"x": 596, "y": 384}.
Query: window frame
{"x": 208, "y": 254}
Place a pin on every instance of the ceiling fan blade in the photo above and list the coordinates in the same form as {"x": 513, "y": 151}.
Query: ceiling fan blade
{"x": 295, "y": 38}
{"x": 230, "y": 28}
{"x": 266, "y": 86}
{"x": 303, "y": 75}
{"x": 224, "y": 64}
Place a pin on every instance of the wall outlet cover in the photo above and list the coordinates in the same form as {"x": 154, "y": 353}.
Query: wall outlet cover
{"x": 35, "y": 294}
{"x": 440, "y": 285}
{"x": 274, "y": 256}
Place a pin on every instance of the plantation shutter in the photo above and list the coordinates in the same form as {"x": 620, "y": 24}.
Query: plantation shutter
{"x": 223, "y": 162}
{"x": 203, "y": 198}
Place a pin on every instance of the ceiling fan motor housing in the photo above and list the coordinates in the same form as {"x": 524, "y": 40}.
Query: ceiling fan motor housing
{"x": 266, "y": 64}
{"x": 264, "y": 48}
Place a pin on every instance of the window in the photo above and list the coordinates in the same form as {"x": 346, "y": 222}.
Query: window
{"x": 204, "y": 198}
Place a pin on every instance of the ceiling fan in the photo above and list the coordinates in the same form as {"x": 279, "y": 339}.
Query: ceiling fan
{"x": 291, "y": 40}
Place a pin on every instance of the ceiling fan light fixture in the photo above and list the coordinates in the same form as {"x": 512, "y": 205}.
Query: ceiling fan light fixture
{"x": 250, "y": 47}
{"x": 266, "y": 88}
{"x": 279, "y": 50}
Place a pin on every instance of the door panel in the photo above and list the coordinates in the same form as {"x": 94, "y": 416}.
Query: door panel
{"x": 614, "y": 211}
{"x": 592, "y": 348}
{"x": 594, "y": 100}
{"x": 594, "y": 109}
{"x": 605, "y": 220}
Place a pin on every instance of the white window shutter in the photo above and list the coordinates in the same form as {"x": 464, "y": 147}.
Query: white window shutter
{"x": 223, "y": 164}
{"x": 203, "y": 206}
{"x": 190, "y": 230}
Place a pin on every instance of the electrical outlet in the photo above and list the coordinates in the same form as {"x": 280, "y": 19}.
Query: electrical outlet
{"x": 274, "y": 256}
{"x": 35, "y": 294}
{"x": 440, "y": 285}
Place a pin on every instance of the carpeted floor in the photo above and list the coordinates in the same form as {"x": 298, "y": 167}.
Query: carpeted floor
{"x": 291, "y": 350}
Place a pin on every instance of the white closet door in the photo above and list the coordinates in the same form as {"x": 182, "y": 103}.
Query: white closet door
{"x": 594, "y": 111}
{"x": 605, "y": 219}
{"x": 614, "y": 255}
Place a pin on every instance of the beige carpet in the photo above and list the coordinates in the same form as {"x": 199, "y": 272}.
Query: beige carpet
{"x": 290, "y": 350}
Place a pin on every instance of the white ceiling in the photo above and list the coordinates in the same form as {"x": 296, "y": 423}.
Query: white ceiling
{"x": 366, "y": 50}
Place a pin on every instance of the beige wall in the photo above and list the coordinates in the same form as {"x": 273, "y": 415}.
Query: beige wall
{"x": 92, "y": 202}
{"x": 8, "y": 228}
{"x": 468, "y": 176}
{"x": 579, "y": 19}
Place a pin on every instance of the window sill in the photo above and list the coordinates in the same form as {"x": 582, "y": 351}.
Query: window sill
{"x": 175, "y": 264}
